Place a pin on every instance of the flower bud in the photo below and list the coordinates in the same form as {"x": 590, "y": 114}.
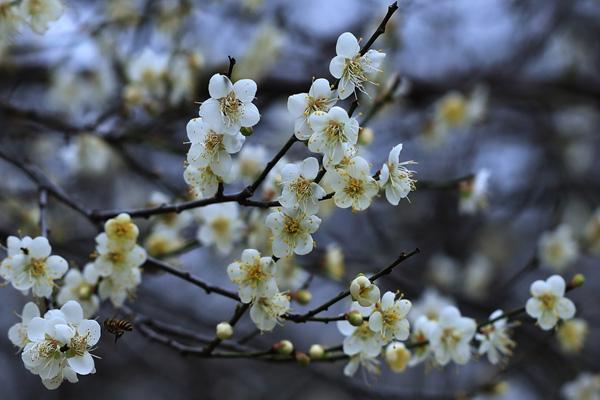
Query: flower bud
{"x": 224, "y": 330}
{"x": 316, "y": 351}
{"x": 246, "y": 131}
{"x": 355, "y": 318}
{"x": 302, "y": 358}
{"x": 577, "y": 280}
{"x": 365, "y": 136}
{"x": 284, "y": 347}
{"x": 303, "y": 296}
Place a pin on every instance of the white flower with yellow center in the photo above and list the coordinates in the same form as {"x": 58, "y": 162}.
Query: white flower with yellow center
{"x": 250, "y": 163}
{"x": 301, "y": 106}
{"x": 351, "y": 67}
{"x": 18, "y": 332}
{"x": 119, "y": 287}
{"x": 203, "y": 181}
{"x": 585, "y": 387}
{"x": 395, "y": 178}
{"x": 420, "y": 339}
{"x": 332, "y": 130}
{"x": 113, "y": 259}
{"x": 230, "y": 106}
{"x": 147, "y": 73}
{"x": 222, "y": 226}
{"x": 571, "y": 335}
{"x": 360, "y": 339}
{"x": 473, "y": 193}
{"x": 266, "y": 312}
{"x": 397, "y": 356}
{"x": 450, "y": 337}
{"x": 353, "y": 185}
{"x": 299, "y": 189}
{"x": 254, "y": 276}
{"x": 363, "y": 291}
{"x": 81, "y": 287}
{"x": 292, "y": 231}
{"x": 211, "y": 147}
{"x": 389, "y": 318}
{"x": 548, "y": 303}
{"x": 33, "y": 267}
{"x": 495, "y": 338}
{"x": 429, "y": 305}
{"x": 557, "y": 249}
{"x": 39, "y": 13}
{"x": 121, "y": 230}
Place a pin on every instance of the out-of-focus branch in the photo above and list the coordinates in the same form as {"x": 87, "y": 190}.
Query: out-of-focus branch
{"x": 43, "y": 203}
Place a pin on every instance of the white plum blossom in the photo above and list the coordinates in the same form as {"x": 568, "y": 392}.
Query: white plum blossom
{"x": 80, "y": 286}
{"x": 450, "y": 337}
{"x": 429, "y": 305}
{"x": 147, "y": 74}
{"x": 115, "y": 259}
{"x": 250, "y": 163}
{"x": 18, "y": 332}
{"x": 203, "y": 181}
{"x": 389, "y": 318}
{"x": 212, "y": 148}
{"x": 332, "y": 131}
{"x": 30, "y": 265}
{"x": 121, "y": 231}
{"x": 230, "y": 105}
{"x": 370, "y": 364}
{"x": 548, "y": 303}
{"x": 477, "y": 275}
{"x": 267, "y": 311}
{"x": 222, "y": 226}
{"x": 557, "y": 249}
{"x": 353, "y": 185}
{"x": 59, "y": 345}
{"x": 397, "y": 356}
{"x": 301, "y": 106}
{"x": 395, "y": 178}
{"x": 254, "y": 276}
{"x": 363, "y": 291}
{"x": 585, "y": 387}
{"x": 495, "y": 338}
{"x": 39, "y": 13}
{"x": 443, "y": 270}
{"x": 360, "y": 339}
{"x": 420, "y": 337}
{"x": 473, "y": 193}
{"x": 87, "y": 154}
{"x": 571, "y": 335}
{"x": 292, "y": 231}
{"x": 299, "y": 189}
{"x": 351, "y": 67}
{"x": 119, "y": 287}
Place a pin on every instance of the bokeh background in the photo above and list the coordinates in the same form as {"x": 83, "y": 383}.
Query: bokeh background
{"x": 68, "y": 105}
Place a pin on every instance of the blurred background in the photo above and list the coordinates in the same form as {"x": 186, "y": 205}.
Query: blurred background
{"x": 498, "y": 102}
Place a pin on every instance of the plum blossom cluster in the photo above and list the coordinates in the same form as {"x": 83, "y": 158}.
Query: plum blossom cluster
{"x": 118, "y": 260}
{"x": 37, "y": 14}
{"x": 255, "y": 277}
{"x": 438, "y": 334}
{"x": 57, "y": 346}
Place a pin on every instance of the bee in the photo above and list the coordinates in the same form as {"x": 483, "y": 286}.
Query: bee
{"x": 118, "y": 327}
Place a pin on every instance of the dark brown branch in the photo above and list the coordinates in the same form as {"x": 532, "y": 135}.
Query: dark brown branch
{"x": 231, "y": 65}
{"x": 186, "y": 276}
{"x": 340, "y": 296}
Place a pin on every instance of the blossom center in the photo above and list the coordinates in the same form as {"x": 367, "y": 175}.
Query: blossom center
{"x": 335, "y": 131}
{"x": 230, "y": 107}
{"x": 254, "y": 272}
{"x": 84, "y": 291}
{"x": 77, "y": 346}
{"x": 301, "y": 187}
{"x": 213, "y": 141}
{"x": 291, "y": 226}
{"x": 354, "y": 71}
{"x": 354, "y": 187}
{"x": 116, "y": 257}
{"x": 220, "y": 225}
{"x": 454, "y": 110}
{"x": 451, "y": 337}
{"x": 37, "y": 267}
{"x": 363, "y": 331}
{"x": 548, "y": 300}
{"x": 315, "y": 104}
